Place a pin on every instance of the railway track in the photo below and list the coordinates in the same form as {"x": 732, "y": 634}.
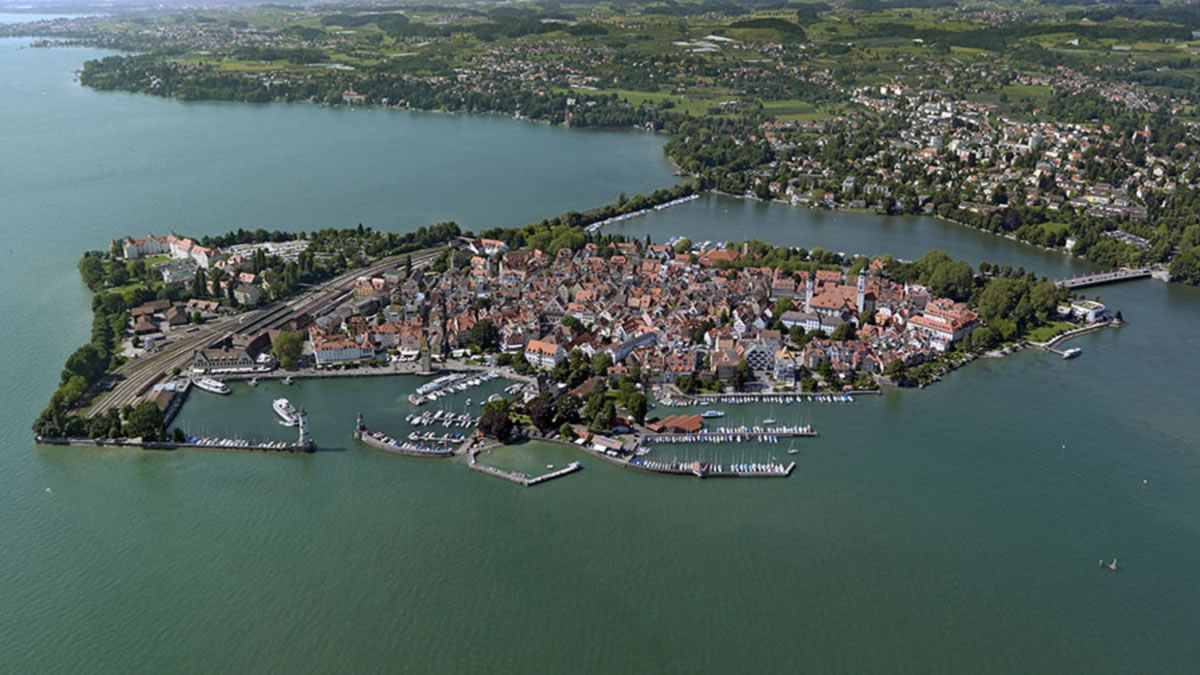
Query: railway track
{"x": 133, "y": 378}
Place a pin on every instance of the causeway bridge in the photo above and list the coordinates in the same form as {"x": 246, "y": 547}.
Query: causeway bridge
{"x": 1099, "y": 278}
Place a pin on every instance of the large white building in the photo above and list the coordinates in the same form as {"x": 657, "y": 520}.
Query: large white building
{"x": 176, "y": 247}
{"x": 544, "y": 354}
{"x": 329, "y": 351}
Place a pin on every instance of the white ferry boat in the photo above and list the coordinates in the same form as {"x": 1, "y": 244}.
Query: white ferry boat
{"x": 209, "y": 384}
{"x": 286, "y": 412}
{"x": 709, "y": 414}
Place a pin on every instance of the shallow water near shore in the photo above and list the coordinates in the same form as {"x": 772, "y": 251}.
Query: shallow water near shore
{"x": 952, "y": 529}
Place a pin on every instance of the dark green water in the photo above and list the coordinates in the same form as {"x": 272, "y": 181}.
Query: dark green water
{"x": 945, "y": 530}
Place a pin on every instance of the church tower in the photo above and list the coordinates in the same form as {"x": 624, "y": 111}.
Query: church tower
{"x": 861, "y": 299}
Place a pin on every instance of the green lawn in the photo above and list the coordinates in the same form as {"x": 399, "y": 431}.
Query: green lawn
{"x": 1038, "y": 95}
{"x": 1044, "y": 333}
{"x": 798, "y": 111}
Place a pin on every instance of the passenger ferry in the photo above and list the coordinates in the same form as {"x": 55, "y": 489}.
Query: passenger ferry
{"x": 209, "y": 384}
{"x": 286, "y": 412}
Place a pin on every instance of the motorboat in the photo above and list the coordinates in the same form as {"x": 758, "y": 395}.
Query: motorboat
{"x": 211, "y": 385}
{"x": 1072, "y": 353}
{"x": 286, "y": 412}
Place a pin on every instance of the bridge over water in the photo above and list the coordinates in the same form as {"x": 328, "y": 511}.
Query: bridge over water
{"x": 1112, "y": 276}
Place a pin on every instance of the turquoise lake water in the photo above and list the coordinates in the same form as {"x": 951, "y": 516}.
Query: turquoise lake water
{"x": 944, "y": 530}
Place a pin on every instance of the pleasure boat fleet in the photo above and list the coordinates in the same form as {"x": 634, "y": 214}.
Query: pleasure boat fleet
{"x": 211, "y": 385}
{"x": 447, "y": 385}
{"x": 286, "y": 412}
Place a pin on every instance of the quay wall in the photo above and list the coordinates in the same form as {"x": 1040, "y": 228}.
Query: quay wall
{"x": 367, "y": 439}
{"x": 1059, "y": 339}
{"x": 170, "y": 445}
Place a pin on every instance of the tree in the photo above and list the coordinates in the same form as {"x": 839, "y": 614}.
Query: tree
{"x": 894, "y": 370}
{"x": 566, "y": 432}
{"x": 783, "y": 304}
{"x": 683, "y": 246}
{"x": 844, "y": 331}
{"x": 496, "y": 423}
{"x": 826, "y": 370}
{"x": 638, "y": 407}
{"x": 566, "y": 410}
{"x": 541, "y": 414}
{"x": 87, "y": 362}
{"x": 92, "y": 271}
{"x": 483, "y": 335}
{"x": 741, "y": 375}
{"x": 594, "y": 405}
{"x": 178, "y": 436}
{"x": 408, "y": 265}
{"x": 287, "y": 348}
{"x": 604, "y": 421}
{"x": 118, "y": 275}
{"x": 146, "y": 421}
{"x": 601, "y": 362}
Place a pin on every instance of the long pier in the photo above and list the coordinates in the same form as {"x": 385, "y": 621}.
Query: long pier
{"x": 730, "y": 436}
{"x": 1099, "y": 278}
{"x": 199, "y": 444}
{"x": 706, "y": 470}
{"x": 516, "y": 476}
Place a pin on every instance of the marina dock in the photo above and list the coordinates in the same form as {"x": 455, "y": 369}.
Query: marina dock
{"x": 676, "y": 400}
{"x": 739, "y": 435}
{"x": 381, "y": 441}
{"x": 705, "y": 470}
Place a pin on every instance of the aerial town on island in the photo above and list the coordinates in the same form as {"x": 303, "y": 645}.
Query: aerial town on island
{"x": 674, "y": 324}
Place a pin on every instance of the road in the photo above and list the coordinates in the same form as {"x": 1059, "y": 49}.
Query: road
{"x": 178, "y": 354}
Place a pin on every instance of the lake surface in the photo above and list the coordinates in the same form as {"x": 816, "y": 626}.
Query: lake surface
{"x": 22, "y": 17}
{"x": 954, "y": 529}
{"x": 720, "y": 218}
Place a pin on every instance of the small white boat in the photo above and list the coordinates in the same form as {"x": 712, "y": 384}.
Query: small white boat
{"x": 1072, "y": 353}
{"x": 287, "y": 380}
{"x": 769, "y": 420}
{"x": 253, "y": 382}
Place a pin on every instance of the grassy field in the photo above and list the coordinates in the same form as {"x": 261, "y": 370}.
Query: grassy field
{"x": 1038, "y": 95}
{"x": 1044, "y": 333}
{"x": 690, "y": 104}
{"x": 798, "y": 111}
{"x": 1054, "y": 228}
